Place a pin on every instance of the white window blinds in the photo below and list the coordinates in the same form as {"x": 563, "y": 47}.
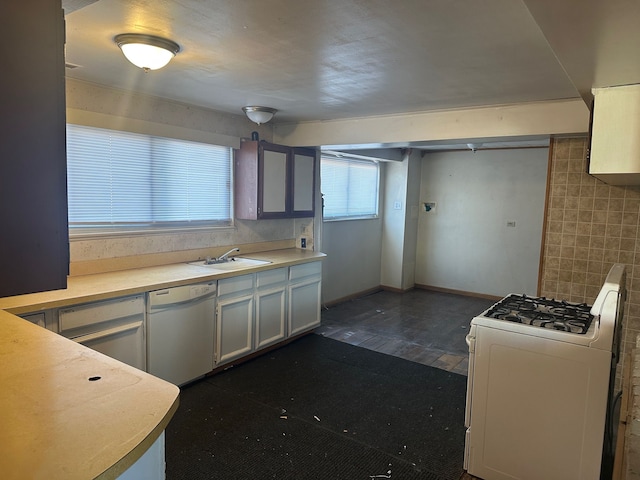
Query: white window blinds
{"x": 120, "y": 178}
{"x": 350, "y": 188}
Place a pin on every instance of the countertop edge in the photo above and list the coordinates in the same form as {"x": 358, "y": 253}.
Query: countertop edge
{"x": 46, "y": 378}
{"x": 134, "y": 455}
{"x": 104, "y": 286}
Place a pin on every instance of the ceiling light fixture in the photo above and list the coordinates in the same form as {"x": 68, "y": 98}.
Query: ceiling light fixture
{"x": 146, "y": 51}
{"x": 259, "y": 114}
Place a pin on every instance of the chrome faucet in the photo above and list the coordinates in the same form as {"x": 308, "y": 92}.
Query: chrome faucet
{"x": 223, "y": 257}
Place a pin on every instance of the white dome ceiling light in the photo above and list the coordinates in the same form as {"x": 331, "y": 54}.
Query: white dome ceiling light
{"x": 259, "y": 114}
{"x": 146, "y": 51}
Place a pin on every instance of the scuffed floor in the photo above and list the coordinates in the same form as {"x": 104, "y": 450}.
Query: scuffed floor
{"x": 423, "y": 326}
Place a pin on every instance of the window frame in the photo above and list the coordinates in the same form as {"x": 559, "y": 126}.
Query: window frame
{"x": 118, "y": 229}
{"x": 352, "y": 160}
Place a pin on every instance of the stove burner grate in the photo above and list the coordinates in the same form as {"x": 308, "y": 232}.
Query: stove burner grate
{"x": 543, "y": 312}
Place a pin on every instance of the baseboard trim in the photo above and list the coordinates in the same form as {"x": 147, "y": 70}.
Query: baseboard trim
{"x": 353, "y": 296}
{"x": 387, "y": 288}
{"x": 458, "y": 292}
{"x": 262, "y": 351}
{"x": 380, "y": 288}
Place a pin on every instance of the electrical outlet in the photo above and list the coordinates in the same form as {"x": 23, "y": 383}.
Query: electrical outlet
{"x": 303, "y": 242}
{"x": 511, "y": 223}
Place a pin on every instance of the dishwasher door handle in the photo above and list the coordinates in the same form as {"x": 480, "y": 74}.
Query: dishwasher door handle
{"x": 158, "y": 304}
{"x": 107, "y": 332}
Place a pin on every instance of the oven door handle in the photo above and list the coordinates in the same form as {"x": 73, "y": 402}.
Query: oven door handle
{"x": 471, "y": 342}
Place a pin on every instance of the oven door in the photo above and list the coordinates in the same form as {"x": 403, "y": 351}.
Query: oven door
{"x": 538, "y": 407}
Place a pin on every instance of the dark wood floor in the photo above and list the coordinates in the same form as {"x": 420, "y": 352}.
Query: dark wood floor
{"x": 419, "y": 325}
{"x": 423, "y": 326}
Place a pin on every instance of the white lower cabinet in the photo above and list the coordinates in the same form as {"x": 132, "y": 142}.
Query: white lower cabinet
{"x": 271, "y": 307}
{"x": 234, "y": 318}
{"x": 305, "y": 283}
{"x": 113, "y": 327}
{"x": 258, "y": 310}
{"x": 151, "y": 465}
{"x": 253, "y": 311}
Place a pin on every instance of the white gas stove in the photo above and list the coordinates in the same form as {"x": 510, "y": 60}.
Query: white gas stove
{"x": 540, "y": 385}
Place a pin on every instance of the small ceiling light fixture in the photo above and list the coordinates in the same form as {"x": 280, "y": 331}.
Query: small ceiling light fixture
{"x": 474, "y": 146}
{"x": 146, "y": 51}
{"x": 259, "y": 114}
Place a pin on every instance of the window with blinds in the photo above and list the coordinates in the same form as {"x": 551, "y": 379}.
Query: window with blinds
{"x": 350, "y": 188}
{"x": 120, "y": 180}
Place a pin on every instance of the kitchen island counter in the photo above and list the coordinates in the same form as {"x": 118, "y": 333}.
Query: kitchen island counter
{"x": 102, "y": 286}
{"x": 70, "y": 412}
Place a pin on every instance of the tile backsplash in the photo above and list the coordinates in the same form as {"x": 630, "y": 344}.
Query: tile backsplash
{"x": 589, "y": 226}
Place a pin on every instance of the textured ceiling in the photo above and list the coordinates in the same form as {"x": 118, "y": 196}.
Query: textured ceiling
{"x": 324, "y": 60}
{"x": 335, "y": 59}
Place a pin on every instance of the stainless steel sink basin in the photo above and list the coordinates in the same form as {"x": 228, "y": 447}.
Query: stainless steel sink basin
{"x": 234, "y": 263}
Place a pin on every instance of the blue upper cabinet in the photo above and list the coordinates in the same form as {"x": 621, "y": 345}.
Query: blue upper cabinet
{"x": 34, "y": 244}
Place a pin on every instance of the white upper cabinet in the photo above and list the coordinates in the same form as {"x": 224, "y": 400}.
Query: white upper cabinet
{"x": 615, "y": 137}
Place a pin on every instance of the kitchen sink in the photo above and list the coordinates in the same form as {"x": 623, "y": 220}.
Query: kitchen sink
{"x": 234, "y": 263}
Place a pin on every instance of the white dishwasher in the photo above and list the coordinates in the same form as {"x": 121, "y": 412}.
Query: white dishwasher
{"x": 180, "y": 332}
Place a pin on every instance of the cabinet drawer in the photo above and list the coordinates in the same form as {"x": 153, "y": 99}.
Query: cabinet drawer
{"x": 271, "y": 278}
{"x": 93, "y": 313}
{"x": 235, "y": 285}
{"x": 298, "y": 272}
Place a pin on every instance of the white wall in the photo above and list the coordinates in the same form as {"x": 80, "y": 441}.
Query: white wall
{"x": 411, "y": 219}
{"x": 394, "y": 210}
{"x": 353, "y": 249}
{"x": 400, "y": 221}
{"x": 352, "y": 264}
{"x": 465, "y": 243}
{"x": 364, "y": 254}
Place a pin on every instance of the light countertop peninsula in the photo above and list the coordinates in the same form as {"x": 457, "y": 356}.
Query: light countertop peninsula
{"x": 69, "y": 412}
{"x": 102, "y": 286}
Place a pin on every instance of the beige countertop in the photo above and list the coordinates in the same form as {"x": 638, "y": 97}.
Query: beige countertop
{"x": 101, "y": 286}
{"x": 58, "y": 424}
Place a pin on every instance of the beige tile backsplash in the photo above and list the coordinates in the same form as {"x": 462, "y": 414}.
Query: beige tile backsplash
{"x": 589, "y": 226}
